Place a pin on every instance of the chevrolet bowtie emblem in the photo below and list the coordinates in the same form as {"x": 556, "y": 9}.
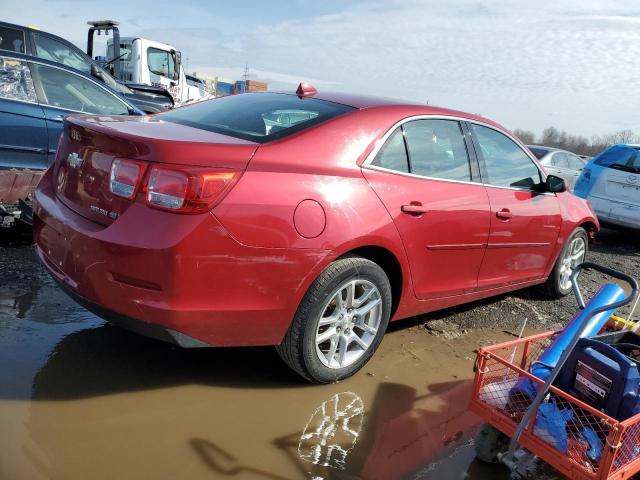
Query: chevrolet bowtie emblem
{"x": 74, "y": 160}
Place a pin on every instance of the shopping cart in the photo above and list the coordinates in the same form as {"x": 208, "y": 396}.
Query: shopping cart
{"x": 584, "y": 443}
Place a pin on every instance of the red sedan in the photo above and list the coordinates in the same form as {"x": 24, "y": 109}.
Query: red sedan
{"x": 306, "y": 221}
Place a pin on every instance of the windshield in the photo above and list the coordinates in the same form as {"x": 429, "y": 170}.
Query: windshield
{"x": 620, "y": 157}
{"x": 259, "y": 117}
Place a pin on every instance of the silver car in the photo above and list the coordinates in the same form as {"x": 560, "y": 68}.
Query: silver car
{"x": 558, "y": 162}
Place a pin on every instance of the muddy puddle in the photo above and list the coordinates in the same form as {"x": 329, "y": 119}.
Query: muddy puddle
{"x": 82, "y": 399}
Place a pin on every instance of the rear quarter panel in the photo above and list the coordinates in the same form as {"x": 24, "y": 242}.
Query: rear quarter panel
{"x": 320, "y": 164}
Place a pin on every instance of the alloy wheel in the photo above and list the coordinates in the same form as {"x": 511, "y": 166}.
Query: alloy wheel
{"x": 349, "y": 323}
{"x": 574, "y": 256}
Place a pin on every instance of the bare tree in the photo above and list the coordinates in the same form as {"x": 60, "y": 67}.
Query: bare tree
{"x": 552, "y": 137}
{"x": 527, "y": 136}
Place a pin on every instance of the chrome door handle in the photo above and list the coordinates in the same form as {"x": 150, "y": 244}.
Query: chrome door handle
{"x": 414, "y": 208}
{"x": 504, "y": 214}
{"x": 57, "y": 118}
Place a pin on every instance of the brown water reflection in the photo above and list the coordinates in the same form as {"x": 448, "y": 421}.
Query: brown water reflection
{"x": 81, "y": 399}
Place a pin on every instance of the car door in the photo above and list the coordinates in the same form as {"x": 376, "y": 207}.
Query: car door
{"x": 425, "y": 179}
{"x": 23, "y": 131}
{"x": 525, "y": 222}
{"x": 63, "y": 92}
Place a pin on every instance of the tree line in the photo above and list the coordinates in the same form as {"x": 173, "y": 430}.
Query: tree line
{"x": 552, "y": 137}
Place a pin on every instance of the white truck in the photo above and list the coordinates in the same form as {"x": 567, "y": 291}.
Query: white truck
{"x": 141, "y": 61}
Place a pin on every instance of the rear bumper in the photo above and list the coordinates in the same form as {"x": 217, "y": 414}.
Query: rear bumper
{"x": 146, "y": 329}
{"x": 173, "y": 276}
{"x": 616, "y": 212}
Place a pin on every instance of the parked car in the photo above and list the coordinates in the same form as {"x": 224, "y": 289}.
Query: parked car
{"x": 35, "y": 95}
{"x": 201, "y": 228}
{"x": 611, "y": 182}
{"x": 558, "y": 162}
{"x": 31, "y": 41}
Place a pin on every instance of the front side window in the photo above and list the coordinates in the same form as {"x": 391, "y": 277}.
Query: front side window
{"x": 161, "y": 62}
{"x": 56, "y": 51}
{"x": 257, "y": 117}
{"x": 73, "y": 92}
{"x": 393, "y": 155}
{"x": 11, "y": 39}
{"x": 506, "y": 163}
{"x": 560, "y": 160}
{"x": 15, "y": 81}
{"x": 437, "y": 149}
{"x": 575, "y": 162}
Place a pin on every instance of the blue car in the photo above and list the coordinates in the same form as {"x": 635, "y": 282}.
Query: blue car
{"x": 611, "y": 182}
{"x": 35, "y": 96}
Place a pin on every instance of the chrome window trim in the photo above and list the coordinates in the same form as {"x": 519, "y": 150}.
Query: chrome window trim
{"x": 4, "y": 99}
{"x": 382, "y": 140}
{"x": 422, "y": 177}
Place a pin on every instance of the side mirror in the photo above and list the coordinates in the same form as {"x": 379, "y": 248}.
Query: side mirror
{"x": 555, "y": 184}
{"x": 177, "y": 58}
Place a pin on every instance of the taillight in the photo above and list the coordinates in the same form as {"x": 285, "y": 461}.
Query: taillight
{"x": 125, "y": 177}
{"x": 189, "y": 190}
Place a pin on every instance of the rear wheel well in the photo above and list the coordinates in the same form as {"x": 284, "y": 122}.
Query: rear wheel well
{"x": 391, "y": 266}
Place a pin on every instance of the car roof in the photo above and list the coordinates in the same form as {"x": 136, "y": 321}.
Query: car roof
{"x": 406, "y": 107}
{"x": 61, "y": 66}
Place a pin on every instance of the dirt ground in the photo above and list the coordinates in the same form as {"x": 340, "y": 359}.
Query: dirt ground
{"x": 82, "y": 399}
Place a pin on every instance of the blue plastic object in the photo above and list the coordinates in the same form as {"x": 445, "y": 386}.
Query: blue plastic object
{"x": 551, "y": 425}
{"x": 595, "y": 445}
{"x": 608, "y": 294}
{"x": 602, "y": 376}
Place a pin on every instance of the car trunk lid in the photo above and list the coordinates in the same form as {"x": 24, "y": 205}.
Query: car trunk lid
{"x": 90, "y": 144}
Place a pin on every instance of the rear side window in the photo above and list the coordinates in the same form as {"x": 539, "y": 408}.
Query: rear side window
{"x": 15, "y": 81}
{"x": 393, "y": 154}
{"x": 437, "y": 149}
{"x": 258, "y": 117}
{"x": 74, "y": 92}
{"x": 11, "y": 39}
{"x": 620, "y": 157}
{"x": 506, "y": 163}
{"x": 51, "y": 49}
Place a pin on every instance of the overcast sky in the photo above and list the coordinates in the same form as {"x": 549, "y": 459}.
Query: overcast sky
{"x": 526, "y": 64}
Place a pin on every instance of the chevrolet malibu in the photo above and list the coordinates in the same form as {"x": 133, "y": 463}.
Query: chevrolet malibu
{"x": 216, "y": 225}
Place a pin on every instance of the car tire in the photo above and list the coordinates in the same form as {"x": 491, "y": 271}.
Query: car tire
{"x": 573, "y": 253}
{"x": 329, "y": 309}
{"x": 490, "y": 443}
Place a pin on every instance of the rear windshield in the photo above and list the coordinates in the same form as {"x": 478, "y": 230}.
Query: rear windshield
{"x": 620, "y": 157}
{"x": 539, "y": 152}
{"x": 258, "y": 117}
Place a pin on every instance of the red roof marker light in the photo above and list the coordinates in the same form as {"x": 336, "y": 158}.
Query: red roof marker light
{"x": 306, "y": 90}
